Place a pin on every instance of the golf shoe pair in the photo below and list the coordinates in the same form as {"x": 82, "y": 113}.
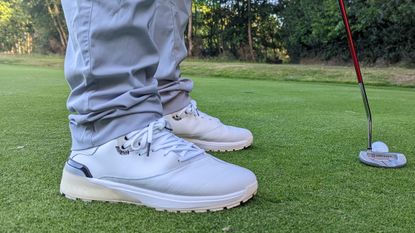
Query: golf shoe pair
{"x": 158, "y": 168}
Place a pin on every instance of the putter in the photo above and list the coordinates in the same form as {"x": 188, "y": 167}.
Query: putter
{"x": 383, "y": 159}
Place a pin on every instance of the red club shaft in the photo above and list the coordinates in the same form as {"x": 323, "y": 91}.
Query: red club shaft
{"x": 351, "y": 43}
{"x": 358, "y": 72}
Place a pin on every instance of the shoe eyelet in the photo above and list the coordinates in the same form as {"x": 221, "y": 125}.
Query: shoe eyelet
{"x": 177, "y": 118}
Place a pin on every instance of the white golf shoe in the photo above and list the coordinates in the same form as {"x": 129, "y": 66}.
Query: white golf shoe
{"x": 155, "y": 168}
{"x": 207, "y": 132}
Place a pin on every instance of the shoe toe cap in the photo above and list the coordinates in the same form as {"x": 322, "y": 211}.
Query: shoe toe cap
{"x": 230, "y": 134}
{"x": 211, "y": 177}
{"x": 245, "y": 134}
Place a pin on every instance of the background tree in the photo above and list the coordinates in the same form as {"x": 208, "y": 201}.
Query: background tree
{"x": 50, "y": 32}
{"x": 235, "y": 29}
{"x": 32, "y": 25}
{"x": 384, "y": 30}
{"x": 15, "y": 28}
{"x": 250, "y": 30}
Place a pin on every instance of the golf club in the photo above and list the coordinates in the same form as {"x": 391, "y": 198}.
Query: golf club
{"x": 370, "y": 157}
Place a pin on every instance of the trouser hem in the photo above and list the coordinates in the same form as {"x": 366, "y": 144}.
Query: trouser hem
{"x": 178, "y": 103}
{"x": 85, "y": 136}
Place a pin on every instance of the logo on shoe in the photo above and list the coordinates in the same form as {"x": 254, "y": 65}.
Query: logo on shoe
{"x": 122, "y": 151}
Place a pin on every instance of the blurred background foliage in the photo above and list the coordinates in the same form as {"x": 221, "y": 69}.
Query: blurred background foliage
{"x": 272, "y": 31}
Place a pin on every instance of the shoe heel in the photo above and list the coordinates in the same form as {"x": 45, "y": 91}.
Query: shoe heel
{"x": 79, "y": 187}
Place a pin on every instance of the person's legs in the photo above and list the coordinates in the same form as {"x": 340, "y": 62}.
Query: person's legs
{"x": 179, "y": 110}
{"x": 170, "y": 25}
{"x": 110, "y": 63}
{"x": 122, "y": 150}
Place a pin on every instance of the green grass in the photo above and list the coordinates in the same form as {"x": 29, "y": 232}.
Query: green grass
{"x": 391, "y": 76}
{"x": 32, "y": 60}
{"x": 307, "y": 137}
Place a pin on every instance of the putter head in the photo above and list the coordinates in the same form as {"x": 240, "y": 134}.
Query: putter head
{"x": 382, "y": 159}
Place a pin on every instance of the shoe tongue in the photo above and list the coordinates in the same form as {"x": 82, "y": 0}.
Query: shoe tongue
{"x": 192, "y": 107}
{"x": 158, "y": 136}
{"x": 186, "y": 150}
{"x": 193, "y": 103}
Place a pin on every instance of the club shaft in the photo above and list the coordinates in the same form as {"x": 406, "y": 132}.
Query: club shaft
{"x": 368, "y": 114}
{"x": 358, "y": 71}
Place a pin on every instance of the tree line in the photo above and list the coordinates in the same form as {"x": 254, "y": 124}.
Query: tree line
{"x": 270, "y": 31}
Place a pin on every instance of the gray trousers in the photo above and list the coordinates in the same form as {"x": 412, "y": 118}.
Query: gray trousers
{"x": 122, "y": 65}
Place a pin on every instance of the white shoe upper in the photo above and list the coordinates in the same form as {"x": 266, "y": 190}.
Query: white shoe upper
{"x": 206, "y": 131}
{"x": 157, "y": 160}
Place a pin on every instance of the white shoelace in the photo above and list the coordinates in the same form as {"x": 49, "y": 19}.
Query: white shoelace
{"x": 163, "y": 139}
{"x": 192, "y": 110}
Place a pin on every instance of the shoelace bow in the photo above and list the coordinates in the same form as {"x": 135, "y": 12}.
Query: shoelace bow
{"x": 156, "y": 132}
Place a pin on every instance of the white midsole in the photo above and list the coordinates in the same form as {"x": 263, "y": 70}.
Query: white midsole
{"x": 220, "y": 146}
{"x": 74, "y": 186}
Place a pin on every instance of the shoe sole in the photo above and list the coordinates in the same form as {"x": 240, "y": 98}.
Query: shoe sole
{"x": 76, "y": 187}
{"x": 221, "y": 146}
